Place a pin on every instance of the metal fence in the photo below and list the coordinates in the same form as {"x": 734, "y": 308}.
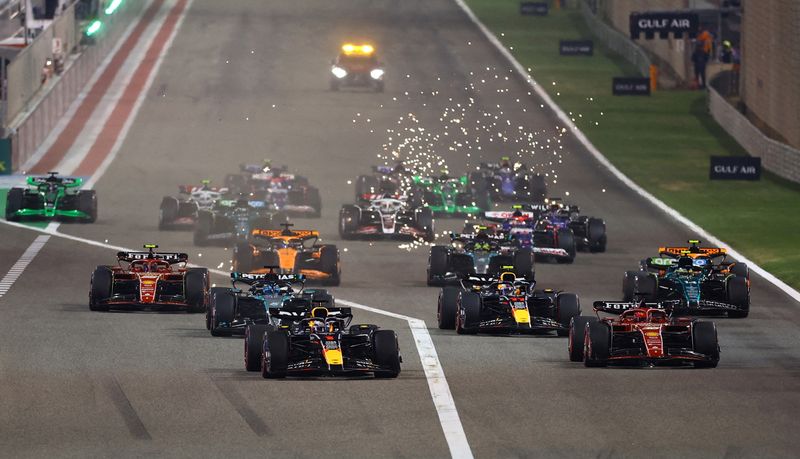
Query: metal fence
{"x": 616, "y": 40}
{"x": 24, "y": 72}
{"x": 776, "y": 157}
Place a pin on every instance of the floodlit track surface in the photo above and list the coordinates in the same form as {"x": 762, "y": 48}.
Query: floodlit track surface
{"x": 72, "y": 381}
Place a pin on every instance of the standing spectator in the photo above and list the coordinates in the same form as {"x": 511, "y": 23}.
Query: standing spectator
{"x": 700, "y": 60}
{"x": 707, "y": 40}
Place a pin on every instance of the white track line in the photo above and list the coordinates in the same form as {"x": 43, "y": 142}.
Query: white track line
{"x": 23, "y": 262}
{"x": 434, "y": 373}
{"x": 437, "y": 383}
{"x": 672, "y": 213}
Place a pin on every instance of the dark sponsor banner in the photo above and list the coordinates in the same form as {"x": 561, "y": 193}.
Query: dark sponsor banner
{"x": 534, "y": 8}
{"x": 5, "y": 156}
{"x": 624, "y": 86}
{"x": 663, "y": 23}
{"x": 576, "y": 47}
{"x": 735, "y": 168}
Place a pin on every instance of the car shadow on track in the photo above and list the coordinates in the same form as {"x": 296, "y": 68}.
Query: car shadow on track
{"x": 242, "y": 375}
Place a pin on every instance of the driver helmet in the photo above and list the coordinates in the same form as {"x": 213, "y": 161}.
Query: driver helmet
{"x": 399, "y": 168}
{"x": 270, "y": 290}
{"x": 505, "y": 163}
{"x": 242, "y": 202}
{"x": 685, "y": 263}
{"x": 640, "y": 316}
{"x": 517, "y": 214}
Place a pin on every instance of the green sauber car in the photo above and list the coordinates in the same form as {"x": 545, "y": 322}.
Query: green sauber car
{"x": 52, "y": 197}
{"x": 455, "y": 196}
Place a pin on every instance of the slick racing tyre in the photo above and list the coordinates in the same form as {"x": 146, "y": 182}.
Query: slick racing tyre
{"x": 469, "y": 313}
{"x": 87, "y": 203}
{"x": 741, "y": 270}
{"x": 387, "y": 353}
{"x": 329, "y": 264}
{"x": 195, "y": 285}
{"x": 568, "y": 306}
{"x": 738, "y": 295}
{"x": 447, "y": 309}
{"x": 275, "y": 355}
{"x": 437, "y": 265}
{"x": 424, "y": 218}
{"x": 704, "y": 336}
{"x": 243, "y": 257}
{"x": 168, "y": 212}
{"x": 523, "y": 263}
{"x": 537, "y": 187}
{"x": 597, "y": 343}
{"x": 213, "y": 293}
{"x": 314, "y": 200}
{"x": 629, "y": 285}
{"x": 223, "y": 311}
{"x": 100, "y": 288}
{"x": 645, "y": 287}
{"x": 205, "y": 223}
{"x": 566, "y": 241}
{"x": 253, "y": 346}
{"x": 596, "y": 232}
{"x": 577, "y": 334}
{"x": 15, "y": 200}
{"x": 349, "y": 218}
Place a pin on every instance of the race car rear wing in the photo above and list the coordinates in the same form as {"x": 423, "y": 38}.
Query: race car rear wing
{"x": 502, "y": 215}
{"x": 272, "y": 276}
{"x": 285, "y": 234}
{"x": 337, "y": 313}
{"x": 69, "y": 182}
{"x": 189, "y": 189}
{"x": 618, "y": 307}
{"x": 693, "y": 249}
{"x": 169, "y": 257}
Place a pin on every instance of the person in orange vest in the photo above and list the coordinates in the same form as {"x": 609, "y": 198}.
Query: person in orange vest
{"x": 707, "y": 41}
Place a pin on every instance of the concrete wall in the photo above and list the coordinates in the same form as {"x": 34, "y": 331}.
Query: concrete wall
{"x": 776, "y": 157}
{"x": 671, "y": 55}
{"x": 770, "y": 80}
{"x": 32, "y": 126}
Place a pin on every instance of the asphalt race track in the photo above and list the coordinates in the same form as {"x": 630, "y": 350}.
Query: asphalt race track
{"x": 249, "y": 81}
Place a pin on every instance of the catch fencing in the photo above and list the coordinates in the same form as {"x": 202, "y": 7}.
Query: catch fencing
{"x": 776, "y": 157}
{"x": 616, "y": 40}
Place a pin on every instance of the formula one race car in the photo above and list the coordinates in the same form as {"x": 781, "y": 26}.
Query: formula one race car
{"x": 455, "y": 196}
{"x": 515, "y": 182}
{"x": 357, "y": 66}
{"x": 231, "y": 221}
{"x": 392, "y": 180}
{"x": 52, "y": 197}
{"x": 280, "y": 189}
{"x": 321, "y": 342}
{"x": 643, "y": 334}
{"x": 696, "y": 283}
{"x": 479, "y": 253}
{"x": 545, "y": 239}
{"x": 386, "y": 216}
{"x": 294, "y": 251}
{"x": 231, "y": 310}
{"x": 181, "y": 211}
{"x": 505, "y": 304}
{"x": 149, "y": 280}
{"x": 589, "y": 232}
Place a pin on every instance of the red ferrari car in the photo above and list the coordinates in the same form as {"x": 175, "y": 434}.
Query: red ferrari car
{"x": 149, "y": 280}
{"x": 642, "y": 334}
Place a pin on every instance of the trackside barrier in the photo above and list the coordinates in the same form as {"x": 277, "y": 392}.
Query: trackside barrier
{"x": 30, "y": 128}
{"x": 616, "y": 41}
{"x": 776, "y": 157}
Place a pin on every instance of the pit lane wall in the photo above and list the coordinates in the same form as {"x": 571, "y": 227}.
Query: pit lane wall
{"x": 33, "y": 121}
{"x": 776, "y": 157}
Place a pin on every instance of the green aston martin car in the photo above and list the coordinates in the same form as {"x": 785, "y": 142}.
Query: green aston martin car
{"x": 445, "y": 195}
{"x": 52, "y": 197}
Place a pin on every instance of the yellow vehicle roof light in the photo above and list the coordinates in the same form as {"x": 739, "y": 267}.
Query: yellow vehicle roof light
{"x": 349, "y": 48}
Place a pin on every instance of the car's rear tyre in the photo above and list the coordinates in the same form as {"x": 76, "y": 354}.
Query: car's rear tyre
{"x": 214, "y": 291}
{"x": 629, "y": 285}
{"x": 447, "y": 308}
{"x": 741, "y": 270}
{"x": 223, "y": 311}
{"x": 253, "y": 346}
{"x": 349, "y": 218}
{"x": 469, "y": 313}
{"x": 568, "y": 305}
{"x": 275, "y": 355}
{"x": 387, "y": 353}
{"x": 100, "y": 288}
{"x": 597, "y": 343}
{"x": 314, "y": 200}
{"x": 168, "y": 212}
{"x": 596, "y": 232}
{"x": 243, "y": 257}
{"x": 195, "y": 284}
{"x": 329, "y": 263}
{"x": 537, "y": 188}
{"x": 566, "y": 241}
{"x": 738, "y": 293}
{"x": 646, "y": 287}
{"x": 15, "y": 200}
{"x": 424, "y": 217}
{"x": 205, "y": 223}
{"x": 524, "y": 263}
{"x": 577, "y": 335}
{"x": 87, "y": 203}
{"x": 704, "y": 335}
{"x": 437, "y": 264}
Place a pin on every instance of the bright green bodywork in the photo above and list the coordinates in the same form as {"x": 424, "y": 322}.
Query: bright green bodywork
{"x": 52, "y": 193}
{"x": 450, "y": 195}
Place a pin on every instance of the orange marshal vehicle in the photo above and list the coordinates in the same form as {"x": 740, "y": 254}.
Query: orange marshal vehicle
{"x": 293, "y": 251}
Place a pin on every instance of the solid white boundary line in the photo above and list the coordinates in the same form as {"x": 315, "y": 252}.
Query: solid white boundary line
{"x": 437, "y": 383}
{"x": 23, "y": 262}
{"x": 434, "y": 373}
{"x": 674, "y": 214}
